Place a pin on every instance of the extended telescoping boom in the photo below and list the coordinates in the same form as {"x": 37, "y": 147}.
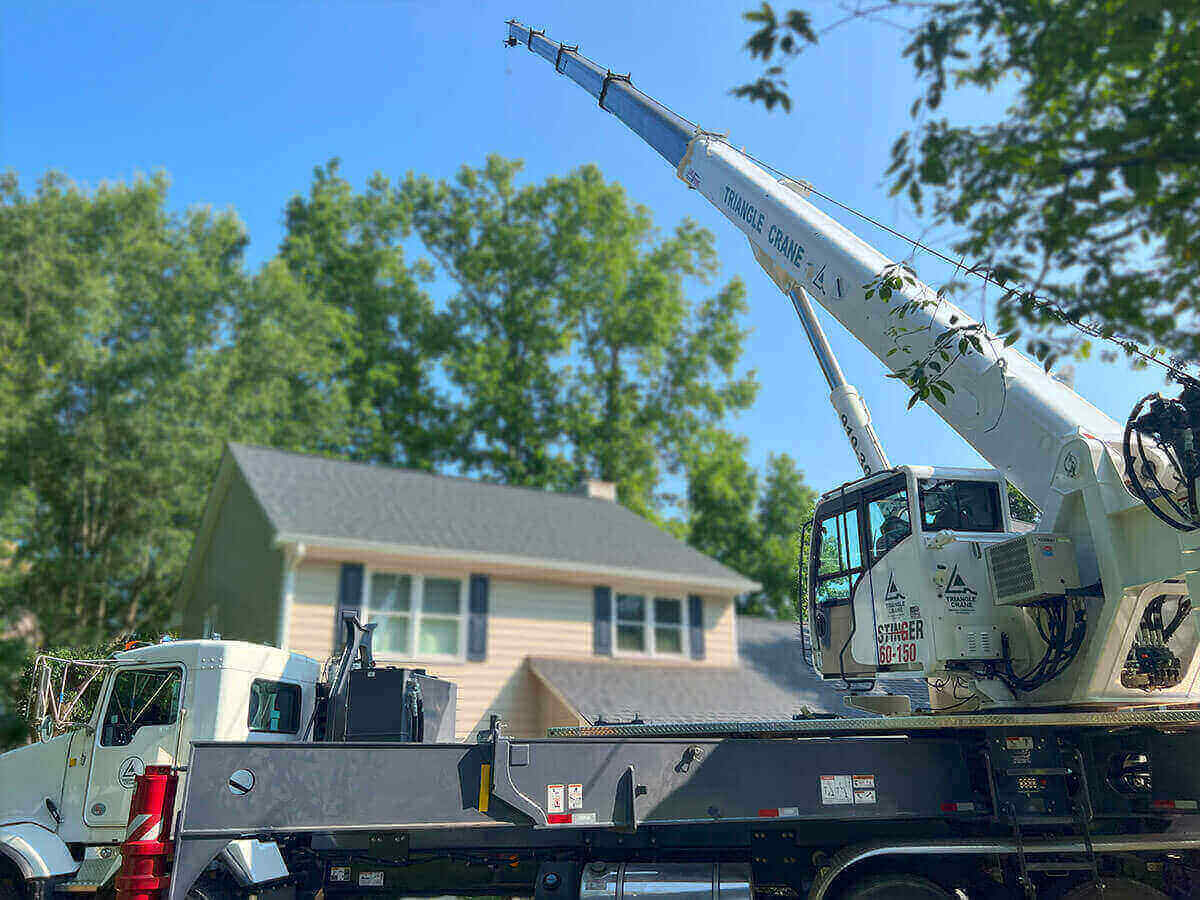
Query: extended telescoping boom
{"x": 924, "y": 570}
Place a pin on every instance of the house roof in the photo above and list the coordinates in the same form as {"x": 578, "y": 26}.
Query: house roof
{"x": 773, "y": 682}
{"x": 325, "y": 501}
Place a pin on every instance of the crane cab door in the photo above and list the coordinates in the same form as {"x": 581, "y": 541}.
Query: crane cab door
{"x": 139, "y": 726}
{"x": 853, "y": 531}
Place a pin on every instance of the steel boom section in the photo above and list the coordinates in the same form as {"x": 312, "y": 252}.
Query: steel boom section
{"x": 1002, "y": 403}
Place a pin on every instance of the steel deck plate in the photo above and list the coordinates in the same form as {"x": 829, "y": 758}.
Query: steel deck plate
{"x": 1162, "y": 718}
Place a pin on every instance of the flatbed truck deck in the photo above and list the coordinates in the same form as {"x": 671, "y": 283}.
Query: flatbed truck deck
{"x": 990, "y": 804}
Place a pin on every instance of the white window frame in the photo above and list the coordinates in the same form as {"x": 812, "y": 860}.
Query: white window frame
{"x": 650, "y": 623}
{"x": 416, "y": 613}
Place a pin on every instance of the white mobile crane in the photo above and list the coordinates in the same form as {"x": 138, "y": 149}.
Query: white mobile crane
{"x": 919, "y": 570}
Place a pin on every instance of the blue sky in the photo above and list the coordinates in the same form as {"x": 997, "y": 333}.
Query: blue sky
{"x": 239, "y": 101}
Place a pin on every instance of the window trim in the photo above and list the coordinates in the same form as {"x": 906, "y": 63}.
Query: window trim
{"x": 650, "y": 623}
{"x": 416, "y": 613}
{"x": 299, "y": 692}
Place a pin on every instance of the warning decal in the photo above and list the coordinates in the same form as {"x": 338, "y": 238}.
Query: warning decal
{"x": 555, "y": 794}
{"x": 836, "y": 789}
{"x": 864, "y": 788}
{"x": 574, "y": 796}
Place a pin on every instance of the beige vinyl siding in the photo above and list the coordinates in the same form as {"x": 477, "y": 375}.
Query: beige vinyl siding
{"x": 526, "y": 618}
{"x": 720, "y": 632}
{"x": 314, "y": 601}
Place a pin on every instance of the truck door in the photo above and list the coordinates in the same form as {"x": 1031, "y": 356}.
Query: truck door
{"x": 139, "y": 727}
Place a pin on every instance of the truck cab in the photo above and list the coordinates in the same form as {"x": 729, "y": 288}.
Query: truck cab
{"x": 898, "y": 581}
{"x": 65, "y": 800}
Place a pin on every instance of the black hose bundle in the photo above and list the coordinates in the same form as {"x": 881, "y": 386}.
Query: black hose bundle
{"x": 1172, "y": 426}
{"x": 1063, "y": 630}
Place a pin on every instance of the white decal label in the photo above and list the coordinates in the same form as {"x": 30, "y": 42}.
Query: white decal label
{"x": 370, "y": 879}
{"x": 836, "y": 789}
{"x": 339, "y": 873}
{"x": 583, "y": 818}
{"x": 555, "y": 794}
{"x": 574, "y": 796}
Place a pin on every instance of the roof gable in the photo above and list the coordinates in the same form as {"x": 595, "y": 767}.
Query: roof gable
{"x": 312, "y": 497}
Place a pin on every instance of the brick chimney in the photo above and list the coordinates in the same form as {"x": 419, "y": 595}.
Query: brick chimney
{"x": 599, "y": 490}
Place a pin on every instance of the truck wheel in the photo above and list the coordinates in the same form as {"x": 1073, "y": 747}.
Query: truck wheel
{"x": 897, "y": 887}
{"x": 211, "y": 889}
{"x": 1115, "y": 889}
{"x": 12, "y": 884}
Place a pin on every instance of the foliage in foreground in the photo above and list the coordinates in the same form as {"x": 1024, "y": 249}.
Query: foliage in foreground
{"x": 1082, "y": 204}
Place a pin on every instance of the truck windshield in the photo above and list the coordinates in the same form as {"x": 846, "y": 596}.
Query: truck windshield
{"x": 949, "y": 504}
{"x": 139, "y": 698}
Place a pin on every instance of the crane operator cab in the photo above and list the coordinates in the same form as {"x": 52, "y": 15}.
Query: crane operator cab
{"x": 899, "y": 581}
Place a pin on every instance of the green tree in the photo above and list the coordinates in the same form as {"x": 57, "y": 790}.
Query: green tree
{"x": 577, "y": 348}
{"x": 785, "y": 504}
{"x": 1083, "y": 202}
{"x": 722, "y": 492}
{"x": 346, "y": 250}
{"x": 510, "y": 336}
{"x": 650, "y": 366}
{"x": 133, "y": 344}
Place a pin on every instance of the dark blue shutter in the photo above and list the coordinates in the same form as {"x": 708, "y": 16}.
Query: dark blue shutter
{"x": 602, "y": 622}
{"x": 696, "y": 624}
{"x": 349, "y": 599}
{"x": 477, "y": 618}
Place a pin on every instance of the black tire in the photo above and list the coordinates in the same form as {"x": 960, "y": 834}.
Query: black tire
{"x": 1115, "y": 889}
{"x": 12, "y": 883}
{"x": 208, "y": 888}
{"x": 899, "y": 886}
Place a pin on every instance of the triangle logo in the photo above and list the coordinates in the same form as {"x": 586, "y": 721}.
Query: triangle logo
{"x": 960, "y": 597}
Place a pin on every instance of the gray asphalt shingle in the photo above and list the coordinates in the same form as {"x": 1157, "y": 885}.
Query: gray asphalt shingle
{"x": 318, "y": 497}
{"x": 773, "y": 682}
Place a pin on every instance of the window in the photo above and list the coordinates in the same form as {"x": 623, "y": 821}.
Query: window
{"x": 654, "y": 628}
{"x": 416, "y": 616}
{"x": 838, "y": 556}
{"x": 140, "y": 698}
{"x": 888, "y": 521}
{"x": 274, "y": 707}
{"x": 959, "y": 505}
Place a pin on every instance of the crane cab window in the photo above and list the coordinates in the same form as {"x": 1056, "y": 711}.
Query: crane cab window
{"x": 888, "y": 520}
{"x": 838, "y": 556}
{"x": 950, "y": 504}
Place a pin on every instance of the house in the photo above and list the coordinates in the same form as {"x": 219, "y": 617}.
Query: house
{"x": 529, "y": 600}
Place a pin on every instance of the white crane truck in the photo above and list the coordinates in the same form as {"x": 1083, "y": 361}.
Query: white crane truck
{"x": 1058, "y": 760}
